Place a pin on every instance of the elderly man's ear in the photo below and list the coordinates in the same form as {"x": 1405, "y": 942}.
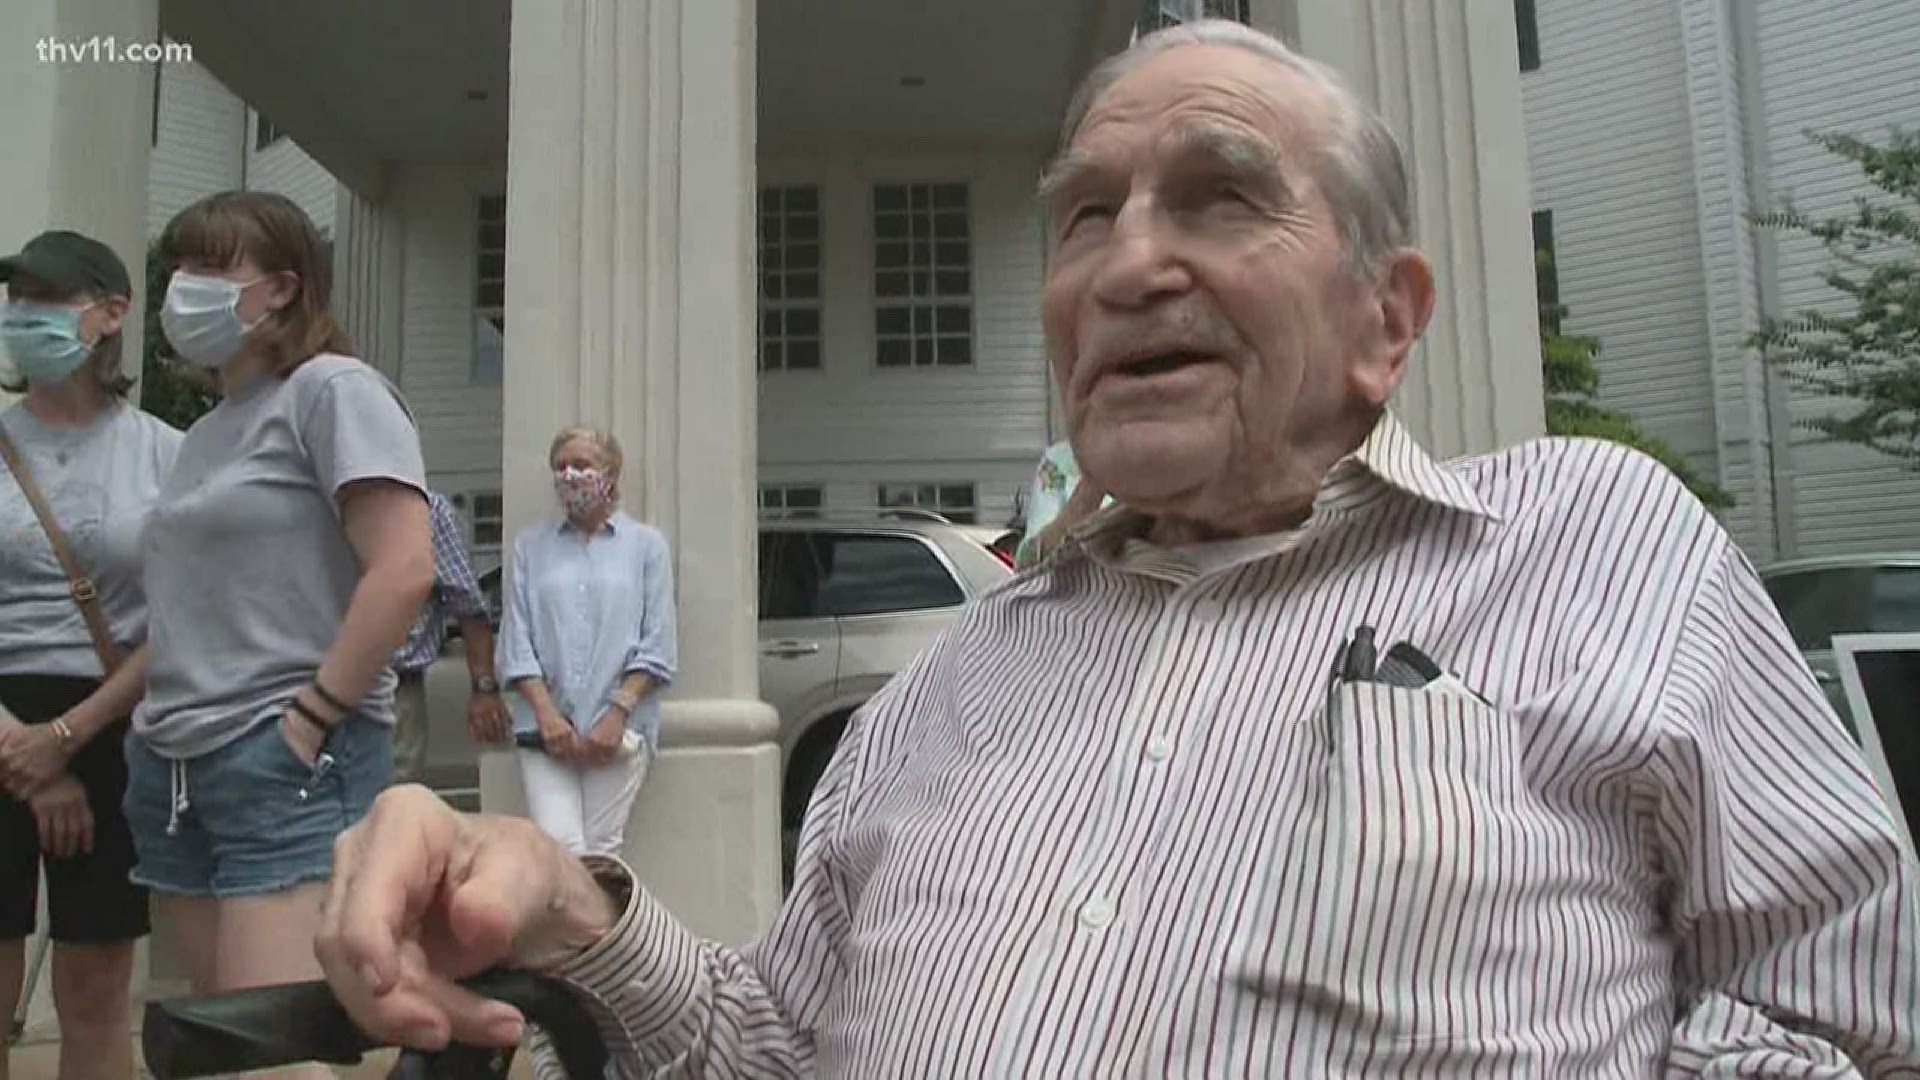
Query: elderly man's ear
{"x": 1400, "y": 305}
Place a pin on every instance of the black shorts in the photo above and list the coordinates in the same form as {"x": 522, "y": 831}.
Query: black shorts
{"x": 90, "y": 898}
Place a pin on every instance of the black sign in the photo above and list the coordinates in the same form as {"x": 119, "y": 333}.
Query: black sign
{"x": 1891, "y": 682}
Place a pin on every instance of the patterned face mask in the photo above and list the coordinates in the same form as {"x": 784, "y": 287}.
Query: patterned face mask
{"x": 583, "y": 492}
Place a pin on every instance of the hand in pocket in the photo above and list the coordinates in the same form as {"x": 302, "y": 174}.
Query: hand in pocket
{"x": 302, "y": 738}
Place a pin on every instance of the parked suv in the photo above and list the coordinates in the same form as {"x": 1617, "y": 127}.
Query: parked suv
{"x": 1844, "y": 594}
{"x": 844, "y": 604}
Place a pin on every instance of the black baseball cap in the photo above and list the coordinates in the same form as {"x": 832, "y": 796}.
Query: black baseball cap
{"x": 71, "y": 263}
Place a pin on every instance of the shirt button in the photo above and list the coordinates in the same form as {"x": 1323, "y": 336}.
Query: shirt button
{"x": 1209, "y": 609}
{"x": 1096, "y": 913}
{"x": 1159, "y": 748}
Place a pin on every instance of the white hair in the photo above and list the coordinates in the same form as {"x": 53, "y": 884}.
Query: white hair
{"x": 1360, "y": 170}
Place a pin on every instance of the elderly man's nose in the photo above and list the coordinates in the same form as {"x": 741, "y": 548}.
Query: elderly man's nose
{"x": 1140, "y": 265}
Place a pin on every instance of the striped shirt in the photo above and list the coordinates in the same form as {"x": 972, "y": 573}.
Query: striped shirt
{"x": 1121, "y": 822}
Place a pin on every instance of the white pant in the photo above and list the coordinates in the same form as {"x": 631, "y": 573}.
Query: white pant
{"x": 585, "y": 809}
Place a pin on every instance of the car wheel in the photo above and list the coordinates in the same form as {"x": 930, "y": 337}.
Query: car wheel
{"x": 804, "y": 769}
{"x": 808, "y": 764}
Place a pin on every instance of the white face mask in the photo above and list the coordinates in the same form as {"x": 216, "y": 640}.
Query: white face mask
{"x": 201, "y": 320}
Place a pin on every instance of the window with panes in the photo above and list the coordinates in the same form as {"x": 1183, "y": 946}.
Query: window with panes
{"x": 922, "y": 275}
{"x": 790, "y": 278}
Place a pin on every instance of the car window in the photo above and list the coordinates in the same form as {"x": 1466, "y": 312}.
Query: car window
{"x": 1818, "y": 604}
{"x": 866, "y": 574}
{"x": 1896, "y": 600}
{"x": 789, "y": 576}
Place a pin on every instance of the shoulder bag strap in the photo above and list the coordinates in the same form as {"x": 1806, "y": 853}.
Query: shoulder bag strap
{"x": 84, "y": 594}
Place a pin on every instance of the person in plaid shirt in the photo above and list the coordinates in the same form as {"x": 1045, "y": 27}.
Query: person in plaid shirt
{"x": 456, "y": 594}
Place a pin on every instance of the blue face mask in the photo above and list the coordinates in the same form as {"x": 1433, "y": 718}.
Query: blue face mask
{"x": 43, "y": 340}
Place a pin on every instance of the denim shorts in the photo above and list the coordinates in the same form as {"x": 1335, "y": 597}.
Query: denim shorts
{"x": 251, "y": 817}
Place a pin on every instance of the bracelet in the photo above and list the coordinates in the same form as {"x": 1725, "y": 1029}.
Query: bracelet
{"x": 300, "y": 709}
{"x": 62, "y": 732}
{"x": 626, "y": 703}
{"x": 331, "y": 700}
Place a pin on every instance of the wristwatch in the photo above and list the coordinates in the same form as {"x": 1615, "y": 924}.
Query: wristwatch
{"x": 486, "y": 684}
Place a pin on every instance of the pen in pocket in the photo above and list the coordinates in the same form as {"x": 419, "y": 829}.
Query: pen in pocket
{"x": 1353, "y": 662}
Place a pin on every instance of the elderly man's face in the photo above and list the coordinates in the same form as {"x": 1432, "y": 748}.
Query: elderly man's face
{"x": 1214, "y": 354}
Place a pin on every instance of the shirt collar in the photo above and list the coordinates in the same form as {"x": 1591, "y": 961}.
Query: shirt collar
{"x": 1392, "y": 456}
{"x": 1390, "y": 459}
{"x": 564, "y": 525}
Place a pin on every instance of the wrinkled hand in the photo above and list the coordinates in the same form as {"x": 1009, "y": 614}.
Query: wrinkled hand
{"x": 557, "y": 737}
{"x": 422, "y": 896}
{"x": 66, "y": 822}
{"x": 32, "y": 758}
{"x": 487, "y": 720}
{"x": 602, "y": 744}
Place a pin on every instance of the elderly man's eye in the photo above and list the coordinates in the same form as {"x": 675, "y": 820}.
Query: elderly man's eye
{"x": 1230, "y": 194}
{"x": 1087, "y": 213}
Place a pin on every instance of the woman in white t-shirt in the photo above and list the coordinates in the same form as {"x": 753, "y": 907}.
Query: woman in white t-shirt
{"x": 98, "y": 463}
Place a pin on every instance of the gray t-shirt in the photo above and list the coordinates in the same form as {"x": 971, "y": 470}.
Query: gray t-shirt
{"x": 248, "y": 567}
{"x": 101, "y": 480}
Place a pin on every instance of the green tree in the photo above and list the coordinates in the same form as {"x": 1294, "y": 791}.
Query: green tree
{"x": 1572, "y": 378}
{"x": 1868, "y": 357}
{"x": 175, "y": 394}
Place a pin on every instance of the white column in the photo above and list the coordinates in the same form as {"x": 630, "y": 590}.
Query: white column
{"x": 1446, "y": 76}
{"x": 1726, "y": 109}
{"x": 78, "y": 130}
{"x": 630, "y": 190}
{"x": 367, "y": 269}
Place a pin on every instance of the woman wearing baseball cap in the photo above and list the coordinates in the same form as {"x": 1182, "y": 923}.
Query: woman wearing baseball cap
{"x": 73, "y": 624}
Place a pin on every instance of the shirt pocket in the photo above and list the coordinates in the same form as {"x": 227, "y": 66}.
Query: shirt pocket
{"x": 1421, "y": 900}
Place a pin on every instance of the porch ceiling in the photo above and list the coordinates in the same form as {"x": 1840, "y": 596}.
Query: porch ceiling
{"x": 996, "y": 70}
{"x": 359, "y": 83}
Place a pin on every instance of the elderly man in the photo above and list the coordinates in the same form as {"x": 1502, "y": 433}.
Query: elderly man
{"x": 1311, "y": 757}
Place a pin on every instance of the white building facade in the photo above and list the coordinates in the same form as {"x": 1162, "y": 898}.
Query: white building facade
{"x": 1653, "y": 127}
{"x": 857, "y": 408}
{"x": 205, "y": 139}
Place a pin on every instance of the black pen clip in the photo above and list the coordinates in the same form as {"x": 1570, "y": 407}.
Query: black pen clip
{"x": 1358, "y": 655}
{"x": 1353, "y": 662}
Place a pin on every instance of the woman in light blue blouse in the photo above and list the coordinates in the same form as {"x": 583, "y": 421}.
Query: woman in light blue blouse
{"x": 587, "y": 643}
